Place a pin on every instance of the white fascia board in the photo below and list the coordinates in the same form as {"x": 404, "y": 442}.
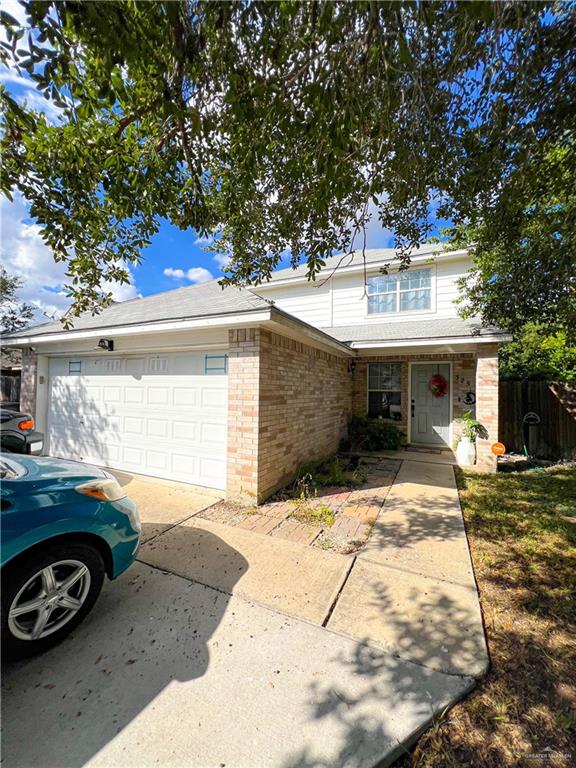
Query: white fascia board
{"x": 283, "y": 322}
{"x": 329, "y": 273}
{"x": 431, "y": 342}
{"x": 164, "y": 326}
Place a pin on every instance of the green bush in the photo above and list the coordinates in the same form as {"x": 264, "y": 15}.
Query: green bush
{"x": 373, "y": 434}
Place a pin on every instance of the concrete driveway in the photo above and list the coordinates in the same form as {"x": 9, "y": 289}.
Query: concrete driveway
{"x": 229, "y": 648}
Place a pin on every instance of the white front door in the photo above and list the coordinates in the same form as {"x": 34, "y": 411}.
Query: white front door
{"x": 160, "y": 415}
{"x": 430, "y": 407}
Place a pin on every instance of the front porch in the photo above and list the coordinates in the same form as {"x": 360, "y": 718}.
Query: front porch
{"x": 426, "y": 393}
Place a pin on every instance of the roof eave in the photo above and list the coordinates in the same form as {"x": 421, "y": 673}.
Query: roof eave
{"x": 431, "y": 341}
{"x": 231, "y": 319}
{"x": 328, "y": 272}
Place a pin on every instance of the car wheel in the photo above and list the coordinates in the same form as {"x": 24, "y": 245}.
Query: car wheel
{"x": 46, "y": 595}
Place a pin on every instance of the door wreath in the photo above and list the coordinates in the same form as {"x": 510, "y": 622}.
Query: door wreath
{"x": 438, "y": 385}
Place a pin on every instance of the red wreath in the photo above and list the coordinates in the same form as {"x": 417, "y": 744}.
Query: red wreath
{"x": 438, "y": 386}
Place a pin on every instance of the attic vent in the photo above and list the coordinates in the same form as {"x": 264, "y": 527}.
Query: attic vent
{"x": 158, "y": 364}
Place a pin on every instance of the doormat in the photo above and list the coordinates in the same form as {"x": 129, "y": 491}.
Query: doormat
{"x": 423, "y": 450}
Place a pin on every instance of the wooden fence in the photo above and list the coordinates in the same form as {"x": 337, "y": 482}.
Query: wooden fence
{"x": 10, "y": 389}
{"x": 554, "y": 437}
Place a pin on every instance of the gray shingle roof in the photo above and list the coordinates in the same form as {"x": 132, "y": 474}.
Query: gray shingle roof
{"x": 203, "y": 300}
{"x": 373, "y": 255}
{"x": 409, "y": 330}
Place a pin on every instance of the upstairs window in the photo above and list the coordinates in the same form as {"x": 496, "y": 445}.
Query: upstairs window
{"x": 409, "y": 291}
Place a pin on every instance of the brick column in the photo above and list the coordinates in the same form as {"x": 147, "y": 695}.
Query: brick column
{"x": 487, "y": 403}
{"x": 28, "y": 381}
{"x": 243, "y": 403}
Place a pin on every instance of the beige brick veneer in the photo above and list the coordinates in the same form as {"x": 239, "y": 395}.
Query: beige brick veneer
{"x": 487, "y": 403}
{"x": 289, "y": 403}
{"x": 28, "y": 382}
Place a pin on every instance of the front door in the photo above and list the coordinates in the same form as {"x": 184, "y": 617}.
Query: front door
{"x": 430, "y": 420}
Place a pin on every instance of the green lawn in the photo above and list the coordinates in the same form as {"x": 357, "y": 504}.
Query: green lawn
{"x": 524, "y": 554}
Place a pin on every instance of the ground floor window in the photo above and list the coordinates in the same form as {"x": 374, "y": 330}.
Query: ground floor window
{"x": 385, "y": 390}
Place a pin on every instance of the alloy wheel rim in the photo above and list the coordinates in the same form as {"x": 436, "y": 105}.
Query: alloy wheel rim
{"x": 49, "y": 600}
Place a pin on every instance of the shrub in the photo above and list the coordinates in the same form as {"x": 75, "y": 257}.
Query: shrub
{"x": 328, "y": 472}
{"x": 374, "y": 434}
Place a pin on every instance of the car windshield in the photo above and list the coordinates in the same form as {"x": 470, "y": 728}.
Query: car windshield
{"x": 11, "y": 470}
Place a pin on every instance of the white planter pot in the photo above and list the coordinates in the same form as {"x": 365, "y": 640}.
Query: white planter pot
{"x": 466, "y": 453}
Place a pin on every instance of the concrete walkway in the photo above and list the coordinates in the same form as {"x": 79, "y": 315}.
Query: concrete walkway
{"x": 412, "y": 589}
{"x": 227, "y": 647}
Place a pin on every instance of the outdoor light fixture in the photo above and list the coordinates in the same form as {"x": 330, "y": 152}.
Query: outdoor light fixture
{"x": 106, "y": 344}
{"x": 351, "y": 366}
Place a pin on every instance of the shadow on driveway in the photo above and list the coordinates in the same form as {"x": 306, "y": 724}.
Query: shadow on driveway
{"x": 148, "y": 630}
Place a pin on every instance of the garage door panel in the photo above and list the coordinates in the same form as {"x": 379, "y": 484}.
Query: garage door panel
{"x": 134, "y": 425}
{"x": 157, "y": 460}
{"x": 134, "y": 395}
{"x": 163, "y": 416}
{"x": 211, "y": 468}
{"x": 185, "y": 430}
{"x": 158, "y": 396}
{"x": 211, "y": 432}
{"x": 158, "y": 427}
{"x": 186, "y": 397}
{"x": 184, "y": 465}
{"x": 214, "y": 398}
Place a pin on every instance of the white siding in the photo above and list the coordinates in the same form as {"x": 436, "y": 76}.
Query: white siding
{"x": 309, "y": 301}
{"x": 342, "y": 301}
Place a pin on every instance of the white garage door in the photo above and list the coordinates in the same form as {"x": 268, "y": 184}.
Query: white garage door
{"x": 156, "y": 415}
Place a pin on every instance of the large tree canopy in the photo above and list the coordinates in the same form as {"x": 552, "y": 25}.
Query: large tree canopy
{"x": 279, "y": 125}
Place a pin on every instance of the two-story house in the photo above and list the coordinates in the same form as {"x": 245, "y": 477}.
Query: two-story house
{"x": 236, "y": 388}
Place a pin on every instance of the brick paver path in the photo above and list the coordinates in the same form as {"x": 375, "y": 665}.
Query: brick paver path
{"x": 355, "y": 511}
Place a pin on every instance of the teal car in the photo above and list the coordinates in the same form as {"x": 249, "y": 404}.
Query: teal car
{"x": 65, "y": 526}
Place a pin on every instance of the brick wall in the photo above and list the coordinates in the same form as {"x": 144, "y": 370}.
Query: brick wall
{"x": 28, "y": 381}
{"x": 289, "y": 403}
{"x": 487, "y": 404}
{"x": 243, "y": 394}
{"x": 305, "y": 404}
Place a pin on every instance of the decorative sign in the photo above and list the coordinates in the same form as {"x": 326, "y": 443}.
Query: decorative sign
{"x": 469, "y": 398}
{"x": 498, "y": 449}
{"x": 531, "y": 418}
{"x": 438, "y": 385}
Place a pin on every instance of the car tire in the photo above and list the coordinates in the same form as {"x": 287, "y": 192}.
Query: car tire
{"x": 57, "y": 585}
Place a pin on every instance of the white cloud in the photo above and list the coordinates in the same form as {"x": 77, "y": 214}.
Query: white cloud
{"x": 222, "y": 260}
{"x": 23, "y": 253}
{"x": 122, "y": 291}
{"x": 25, "y": 93}
{"x": 204, "y": 240}
{"x": 194, "y": 274}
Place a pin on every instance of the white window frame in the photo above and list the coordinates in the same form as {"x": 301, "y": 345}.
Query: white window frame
{"x": 397, "y": 292}
{"x": 369, "y": 389}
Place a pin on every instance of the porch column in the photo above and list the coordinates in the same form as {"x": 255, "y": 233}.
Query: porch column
{"x": 487, "y": 403}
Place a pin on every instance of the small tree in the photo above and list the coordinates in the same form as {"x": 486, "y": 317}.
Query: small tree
{"x": 14, "y": 313}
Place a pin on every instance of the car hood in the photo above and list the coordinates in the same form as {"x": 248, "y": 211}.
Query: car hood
{"x": 48, "y": 470}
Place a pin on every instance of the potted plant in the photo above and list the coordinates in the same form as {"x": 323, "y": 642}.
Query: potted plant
{"x": 466, "y": 448}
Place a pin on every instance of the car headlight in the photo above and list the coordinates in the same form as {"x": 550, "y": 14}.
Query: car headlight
{"x": 104, "y": 489}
